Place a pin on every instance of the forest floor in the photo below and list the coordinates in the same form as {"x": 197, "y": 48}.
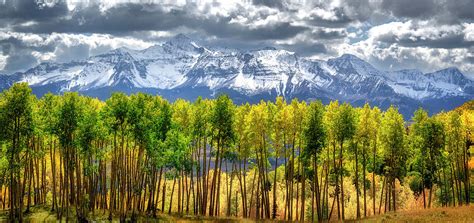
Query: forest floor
{"x": 43, "y": 214}
{"x": 448, "y": 214}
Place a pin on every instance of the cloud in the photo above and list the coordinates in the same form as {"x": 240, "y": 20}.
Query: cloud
{"x": 25, "y": 10}
{"x": 425, "y": 34}
{"x": 442, "y": 11}
{"x": 392, "y": 47}
{"x": 328, "y": 33}
{"x": 124, "y": 18}
{"x": 410, "y": 8}
{"x": 24, "y": 50}
{"x": 269, "y": 3}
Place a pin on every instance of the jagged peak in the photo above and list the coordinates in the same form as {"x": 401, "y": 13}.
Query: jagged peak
{"x": 180, "y": 38}
{"x": 121, "y": 50}
{"x": 350, "y": 57}
{"x": 453, "y": 70}
{"x": 350, "y": 61}
{"x": 182, "y": 42}
{"x": 271, "y": 51}
{"x": 450, "y": 75}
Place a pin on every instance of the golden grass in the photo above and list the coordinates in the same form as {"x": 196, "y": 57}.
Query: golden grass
{"x": 433, "y": 215}
{"x": 447, "y": 214}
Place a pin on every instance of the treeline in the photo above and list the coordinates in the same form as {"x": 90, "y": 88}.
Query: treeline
{"x": 140, "y": 155}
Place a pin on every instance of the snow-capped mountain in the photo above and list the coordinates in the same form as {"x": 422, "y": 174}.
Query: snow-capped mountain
{"x": 182, "y": 68}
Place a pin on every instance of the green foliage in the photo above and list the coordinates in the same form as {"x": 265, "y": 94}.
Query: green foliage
{"x": 140, "y": 117}
{"x": 222, "y": 120}
{"x": 16, "y": 106}
{"x": 415, "y": 182}
{"x": 392, "y": 140}
{"x": 70, "y": 113}
{"x": 345, "y": 122}
{"x": 315, "y": 133}
{"x": 116, "y": 112}
{"x": 177, "y": 150}
{"x": 427, "y": 140}
{"x": 16, "y": 119}
{"x": 149, "y": 139}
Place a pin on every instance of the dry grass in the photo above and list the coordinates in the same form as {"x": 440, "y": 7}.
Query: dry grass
{"x": 433, "y": 215}
{"x": 450, "y": 214}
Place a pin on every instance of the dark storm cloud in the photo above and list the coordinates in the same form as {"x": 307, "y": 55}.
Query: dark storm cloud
{"x": 269, "y": 3}
{"x": 446, "y": 41}
{"x": 469, "y": 59}
{"x": 65, "y": 53}
{"x": 10, "y": 44}
{"x": 126, "y": 18}
{"x": 463, "y": 9}
{"x": 19, "y": 54}
{"x": 271, "y": 32}
{"x": 116, "y": 20}
{"x": 340, "y": 20}
{"x": 410, "y": 8}
{"x": 19, "y": 61}
{"x": 452, "y": 11}
{"x": 328, "y": 34}
{"x": 306, "y": 49}
{"x": 25, "y": 10}
{"x": 307, "y": 27}
{"x": 349, "y": 12}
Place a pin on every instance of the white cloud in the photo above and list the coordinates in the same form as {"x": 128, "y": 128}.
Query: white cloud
{"x": 395, "y": 57}
{"x": 414, "y": 31}
{"x": 3, "y": 61}
{"x": 357, "y": 27}
{"x": 63, "y": 47}
{"x": 469, "y": 31}
{"x": 412, "y": 45}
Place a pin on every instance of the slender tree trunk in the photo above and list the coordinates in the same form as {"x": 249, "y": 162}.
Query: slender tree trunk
{"x": 357, "y": 181}
{"x": 381, "y": 194}
{"x": 30, "y": 177}
{"x": 163, "y": 197}
{"x": 429, "y": 197}
{"x": 394, "y": 192}
{"x": 373, "y": 177}
{"x": 274, "y": 211}
{"x": 316, "y": 189}
{"x": 453, "y": 186}
{"x": 342, "y": 180}
{"x": 467, "y": 186}
{"x": 337, "y": 187}
{"x": 252, "y": 192}
{"x": 171, "y": 197}
{"x": 364, "y": 169}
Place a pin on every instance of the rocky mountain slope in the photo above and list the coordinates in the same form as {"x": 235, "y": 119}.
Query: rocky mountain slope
{"x": 182, "y": 68}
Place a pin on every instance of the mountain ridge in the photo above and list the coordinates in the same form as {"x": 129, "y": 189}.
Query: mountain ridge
{"x": 182, "y": 68}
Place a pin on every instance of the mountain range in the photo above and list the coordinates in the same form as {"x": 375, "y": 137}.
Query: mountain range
{"x": 182, "y": 68}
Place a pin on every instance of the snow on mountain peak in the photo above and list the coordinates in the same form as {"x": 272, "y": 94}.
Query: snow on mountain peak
{"x": 350, "y": 57}
{"x": 180, "y": 65}
{"x": 183, "y": 42}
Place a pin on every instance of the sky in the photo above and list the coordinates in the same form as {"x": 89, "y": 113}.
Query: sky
{"x": 390, "y": 34}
